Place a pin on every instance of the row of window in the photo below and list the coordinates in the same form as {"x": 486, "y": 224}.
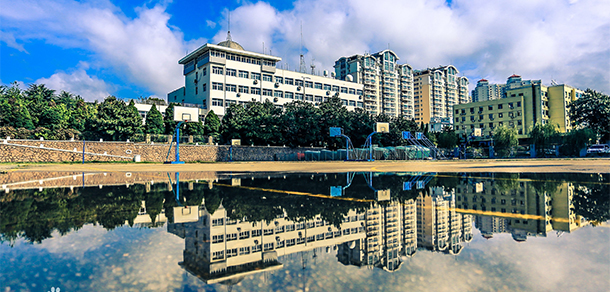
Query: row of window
{"x": 281, "y": 80}
{"x": 490, "y": 116}
{"x": 500, "y": 106}
{"x": 292, "y": 241}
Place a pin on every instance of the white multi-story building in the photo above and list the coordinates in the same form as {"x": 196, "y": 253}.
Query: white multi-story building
{"x": 388, "y": 86}
{"x": 223, "y": 74}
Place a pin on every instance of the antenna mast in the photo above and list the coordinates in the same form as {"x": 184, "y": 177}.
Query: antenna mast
{"x": 229, "y": 30}
{"x": 302, "y": 66}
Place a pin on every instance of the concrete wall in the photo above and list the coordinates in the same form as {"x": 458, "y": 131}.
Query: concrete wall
{"x": 147, "y": 152}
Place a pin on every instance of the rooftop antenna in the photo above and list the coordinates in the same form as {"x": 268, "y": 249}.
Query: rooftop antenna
{"x": 302, "y": 59}
{"x": 313, "y": 67}
{"x": 229, "y": 30}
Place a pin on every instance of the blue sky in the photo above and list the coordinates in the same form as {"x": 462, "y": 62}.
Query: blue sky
{"x": 131, "y": 48}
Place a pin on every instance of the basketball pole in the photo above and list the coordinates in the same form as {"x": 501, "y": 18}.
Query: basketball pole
{"x": 177, "y": 161}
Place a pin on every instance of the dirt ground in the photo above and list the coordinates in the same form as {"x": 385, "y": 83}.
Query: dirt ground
{"x": 580, "y": 165}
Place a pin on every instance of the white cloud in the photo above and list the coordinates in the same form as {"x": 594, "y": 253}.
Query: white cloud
{"x": 566, "y": 41}
{"x": 77, "y": 82}
{"x": 145, "y": 50}
{"x": 11, "y": 42}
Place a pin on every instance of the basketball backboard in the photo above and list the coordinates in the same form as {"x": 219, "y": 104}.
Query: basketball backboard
{"x": 382, "y": 127}
{"x": 186, "y": 114}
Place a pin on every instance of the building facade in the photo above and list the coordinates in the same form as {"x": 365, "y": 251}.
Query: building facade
{"x": 217, "y": 76}
{"x": 437, "y": 91}
{"x": 486, "y": 91}
{"x": 525, "y": 104}
{"x": 388, "y": 86}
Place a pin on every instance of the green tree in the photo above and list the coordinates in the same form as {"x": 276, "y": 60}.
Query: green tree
{"x": 333, "y": 114}
{"x": 194, "y": 128}
{"x": 15, "y": 114}
{"x": 504, "y": 140}
{"x": 115, "y": 121}
{"x": 211, "y": 125}
{"x": 80, "y": 113}
{"x": 592, "y": 111}
{"x": 54, "y": 117}
{"x": 37, "y": 98}
{"x": 543, "y": 136}
{"x": 447, "y": 138}
{"x": 300, "y": 124}
{"x": 168, "y": 120}
{"x": 154, "y": 121}
{"x": 576, "y": 140}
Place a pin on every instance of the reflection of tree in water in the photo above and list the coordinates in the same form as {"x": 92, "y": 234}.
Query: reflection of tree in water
{"x": 592, "y": 201}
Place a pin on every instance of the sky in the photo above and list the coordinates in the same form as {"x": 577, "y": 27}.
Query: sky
{"x": 131, "y": 48}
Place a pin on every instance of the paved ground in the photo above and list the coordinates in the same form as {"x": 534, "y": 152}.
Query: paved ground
{"x": 581, "y": 165}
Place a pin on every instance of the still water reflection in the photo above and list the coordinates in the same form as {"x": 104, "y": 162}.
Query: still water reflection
{"x": 304, "y": 232}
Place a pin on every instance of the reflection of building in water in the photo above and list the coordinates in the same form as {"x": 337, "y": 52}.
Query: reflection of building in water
{"x": 219, "y": 249}
{"x": 519, "y": 208}
{"x": 390, "y": 235}
{"x": 439, "y": 227}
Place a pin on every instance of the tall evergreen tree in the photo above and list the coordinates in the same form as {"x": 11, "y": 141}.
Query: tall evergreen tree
{"x": 211, "y": 125}
{"x": 115, "y": 121}
{"x": 154, "y": 121}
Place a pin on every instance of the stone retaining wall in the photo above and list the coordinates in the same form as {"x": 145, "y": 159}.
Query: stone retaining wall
{"x": 147, "y": 152}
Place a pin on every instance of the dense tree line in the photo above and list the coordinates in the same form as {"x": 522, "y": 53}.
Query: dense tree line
{"x": 40, "y": 112}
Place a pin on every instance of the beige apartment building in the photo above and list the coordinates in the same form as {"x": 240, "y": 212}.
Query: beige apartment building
{"x": 388, "y": 86}
{"x": 437, "y": 91}
{"x": 526, "y": 103}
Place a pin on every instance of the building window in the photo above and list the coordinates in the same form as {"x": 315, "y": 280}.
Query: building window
{"x": 267, "y": 92}
{"x": 243, "y": 89}
{"x": 289, "y": 95}
{"x": 278, "y": 93}
{"x": 255, "y": 76}
{"x": 204, "y": 88}
{"x": 204, "y": 72}
{"x": 231, "y": 72}
{"x": 500, "y": 115}
{"x": 309, "y": 97}
{"x": 318, "y": 98}
{"x": 490, "y": 107}
{"x": 308, "y": 84}
{"x": 499, "y": 106}
{"x": 343, "y": 89}
{"x": 289, "y": 81}
{"x": 518, "y": 104}
{"x": 317, "y": 85}
{"x": 298, "y": 82}
{"x": 491, "y": 116}
{"x": 352, "y": 103}
{"x": 217, "y": 102}
{"x": 298, "y": 96}
{"x": 217, "y": 238}
{"x": 217, "y": 70}
{"x": 267, "y": 77}
{"x": 358, "y": 91}
{"x": 335, "y": 88}
{"x": 196, "y": 89}
{"x": 279, "y": 79}
{"x": 255, "y": 90}
{"x": 231, "y": 88}
{"x": 216, "y": 86}
{"x": 243, "y": 74}
{"x": 327, "y": 87}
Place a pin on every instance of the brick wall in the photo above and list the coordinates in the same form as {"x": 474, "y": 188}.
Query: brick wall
{"x": 147, "y": 152}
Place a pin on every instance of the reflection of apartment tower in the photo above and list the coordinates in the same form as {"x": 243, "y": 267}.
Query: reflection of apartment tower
{"x": 436, "y": 91}
{"x": 517, "y": 207}
{"x": 409, "y": 227}
{"x": 485, "y": 91}
{"x": 390, "y": 235}
{"x": 439, "y": 226}
{"x": 488, "y": 225}
{"x": 387, "y": 85}
{"x": 219, "y": 249}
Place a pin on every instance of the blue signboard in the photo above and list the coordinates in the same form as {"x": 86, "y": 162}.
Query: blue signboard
{"x": 336, "y": 191}
{"x": 420, "y": 184}
{"x": 406, "y": 186}
{"x": 419, "y": 135}
{"x": 406, "y": 135}
{"x": 335, "y": 131}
